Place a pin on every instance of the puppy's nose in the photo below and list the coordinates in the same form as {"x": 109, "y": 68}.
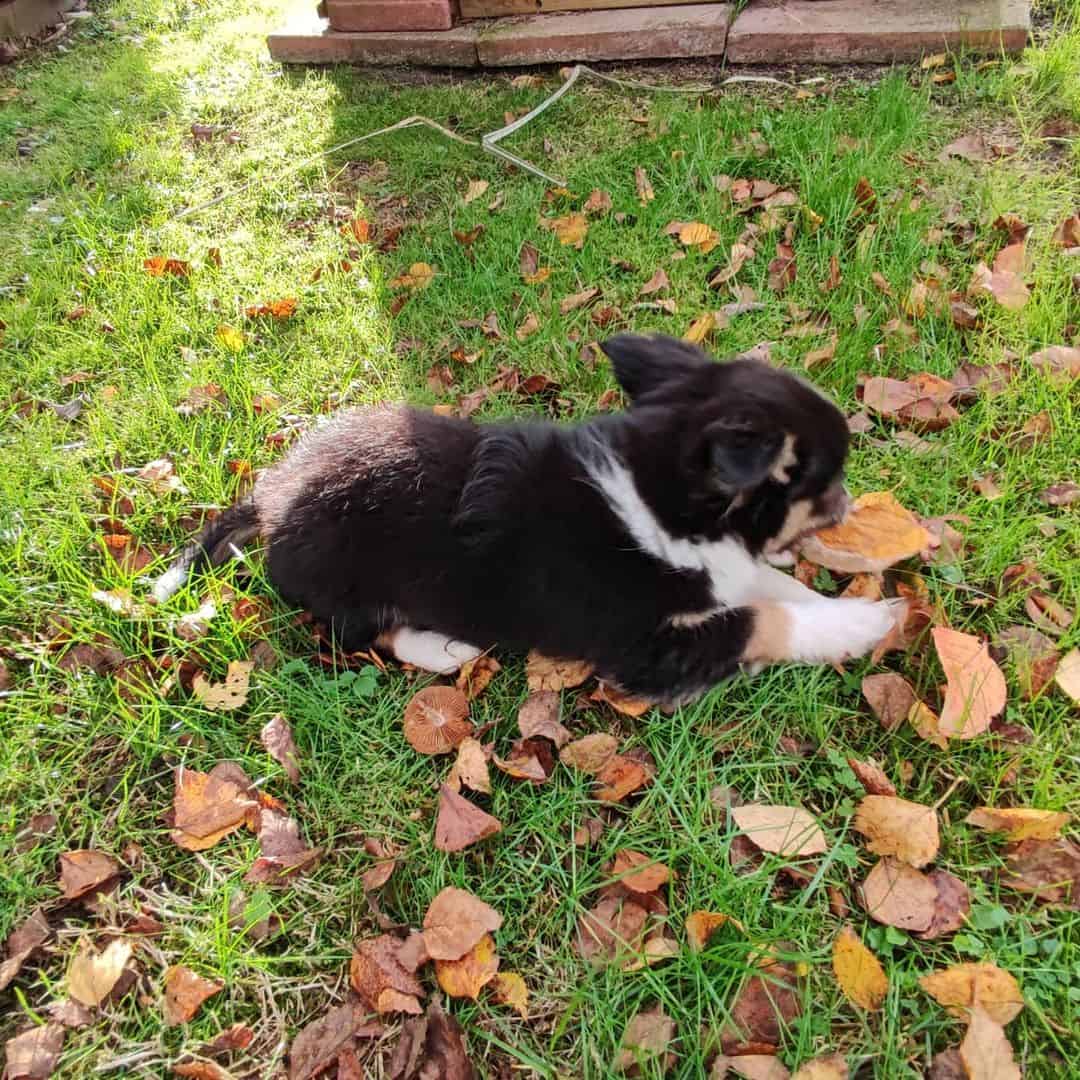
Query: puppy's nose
{"x": 836, "y": 503}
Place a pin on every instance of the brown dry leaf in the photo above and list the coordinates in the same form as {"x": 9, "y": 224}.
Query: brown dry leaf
{"x": 1019, "y": 823}
{"x": 644, "y": 188}
{"x": 571, "y": 229}
{"x": 159, "y": 266}
{"x": 822, "y": 355}
{"x": 470, "y": 767}
{"x": 467, "y": 976}
{"x": 1005, "y": 286}
{"x": 985, "y": 985}
{"x": 209, "y": 806}
{"x": 829, "y": 1067}
{"x": 782, "y": 269}
{"x": 894, "y": 826}
{"x": 376, "y": 967}
{"x": 695, "y": 234}
{"x": 33, "y": 1054}
{"x": 1058, "y": 361}
{"x": 877, "y": 534}
{"x": 548, "y": 673}
{"x": 782, "y": 830}
{"x": 1064, "y": 494}
{"x": 951, "y": 906}
{"x": 275, "y": 309}
{"x": 975, "y": 691}
{"x": 765, "y": 1007}
{"x": 431, "y": 1047}
{"x": 637, "y": 872}
{"x": 455, "y": 922}
{"x": 539, "y": 718}
{"x": 475, "y": 189}
{"x": 620, "y": 777}
{"x": 701, "y": 925}
{"x": 986, "y": 1053}
{"x": 1067, "y": 675}
{"x": 1050, "y": 869}
{"x": 284, "y": 852}
{"x": 620, "y": 701}
{"x": 899, "y": 895}
{"x": 184, "y": 994}
{"x": 645, "y": 1044}
{"x": 858, "y": 971}
{"x": 418, "y": 277}
{"x": 460, "y": 823}
{"x": 872, "y": 777}
{"x": 577, "y": 300}
{"x": 969, "y": 147}
{"x": 657, "y": 283}
{"x": 317, "y": 1046}
{"x": 277, "y": 737}
{"x": 750, "y": 1067}
{"x": 921, "y": 402}
{"x": 927, "y": 725}
{"x": 591, "y": 753}
{"x": 614, "y": 927}
{"x": 22, "y": 942}
{"x": 890, "y": 696}
{"x": 1067, "y": 234}
{"x": 740, "y": 253}
{"x": 436, "y": 719}
{"x": 598, "y": 202}
{"x": 475, "y": 676}
{"x": 92, "y": 975}
{"x": 83, "y": 871}
{"x": 508, "y": 988}
{"x": 228, "y": 695}
{"x": 528, "y": 327}
{"x": 375, "y": 877}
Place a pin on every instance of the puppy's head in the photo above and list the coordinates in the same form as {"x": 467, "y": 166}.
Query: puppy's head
{"x": 758, "y": 451}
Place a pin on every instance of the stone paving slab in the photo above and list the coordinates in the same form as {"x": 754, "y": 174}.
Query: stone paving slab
{"x": 389, "y": 15}
{"x": 853, "y": 31}
{"x": 309, "y": 40}
{"x": 627, "y": 34}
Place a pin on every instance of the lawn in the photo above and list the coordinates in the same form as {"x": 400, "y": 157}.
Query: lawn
{"x": 97, "y": 160}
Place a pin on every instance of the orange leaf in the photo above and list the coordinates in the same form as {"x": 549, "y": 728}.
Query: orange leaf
{"x": 897, "y": 827}
{"x": 1019, "y": 823}
{"x": 467, "y": 976}
{"x": 184, "y": 994}
{"x": 975, "y": 691}
{"x": 159, "y": 266}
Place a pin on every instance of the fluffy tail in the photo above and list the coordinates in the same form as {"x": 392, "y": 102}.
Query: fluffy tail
{"x": 217, "y": 542}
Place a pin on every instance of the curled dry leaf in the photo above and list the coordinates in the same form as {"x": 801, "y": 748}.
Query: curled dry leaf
{"x": 590, "y": 754}
{"x": 1049, "y": 869}
{"x": 436, "y": 719}
{"x": 695, "y": 234}
{"x": 858, "y": 971}
{"x": 782, "y": 830}
{"x": 455, "y": 922}
{"x": 1005, "y": 286}
{"x": 657, "y": 283}
{"x": 275, "y": 309}
{"x": 22, "y": 942}
{"x": 598, "y": 202}
{"x": 951, "y": 906}
{"x": 529, "y": 759}
{"x": 1019, "y": 823}
{"x": 459, "y": 823}
{"x": 975, "y": 692}
{"x": 872, "y": 777}
{"x": 508, "y": 988}
{"x": 93, "y": 975}
{"x": 529, "y": 326}
{"x": 701, "y": 925}
{"x": 897, "y": 894}
{"x": 782, "y": 269}
{"x": 419, "y": 276}
{"x": 891, "y": 697}
{"x": 474, "y": 676}
{"x": 765, "y": 1007}
{"x": 548, "y": 673}
{"x": 1058, "y": 362}
{"x": 470, "y": 768}
{"x": 1064, "y": 494}
{"x": 284, "y": 852}
{"x": 467, "y": 976}
{"x": 921, "y": 402}
{"x": 985, "y": 985}
{"x": 897, "y": 827}
{"x": 822, "y": 355}
{"x": 83, "y": 871}
{"x": 160, "y": 266}
{"x": 317, "y": 1046}
{"x": 644, "y": 188}
{"x": 620, "y": 701}
{"x": 829, "y": 1067}
{"x": 475, "y": 189}
{"x": 376, "y": 968}
{"x": 877, "y": 534}
{"x": 33, "y": 1055}
{"x": 184, "y": 994}
{"x": 209, "y": 806}
{"x": 539, "y": 718}
{"x": 228, "y": 695}
{"x": 277, "y": 737}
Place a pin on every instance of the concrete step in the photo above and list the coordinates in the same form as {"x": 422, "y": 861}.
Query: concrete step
{"x": 853, "y": 31}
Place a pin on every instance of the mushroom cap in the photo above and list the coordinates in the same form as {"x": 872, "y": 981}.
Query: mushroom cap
{"x": 437, "y": 719}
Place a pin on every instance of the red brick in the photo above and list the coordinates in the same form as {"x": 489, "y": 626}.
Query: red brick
{"x": 846, "y": 31}
{"x": 368, "y": 15}
{"x": 627, "y": 34}
{"x": 309, "y": 40}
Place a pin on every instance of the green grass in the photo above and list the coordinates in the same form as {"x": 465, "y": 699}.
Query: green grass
{"x": 113, "y": 162}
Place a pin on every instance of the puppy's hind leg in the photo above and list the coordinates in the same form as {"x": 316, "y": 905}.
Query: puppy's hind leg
{"x": 428, "y": 650}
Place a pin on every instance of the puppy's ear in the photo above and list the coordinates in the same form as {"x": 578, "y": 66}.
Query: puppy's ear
{"x": 642, "y": 364}
{"x": 740, "y": 453}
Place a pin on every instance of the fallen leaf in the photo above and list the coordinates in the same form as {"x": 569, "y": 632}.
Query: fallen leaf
{"x": 571, "y": 229}
{"x": 317, "y": 1046}
{"x": 986, "y": 1052}
{"x": 475, "y": 189}
{"x": 1005, "y": 286}
{"x": 92, "y": 975}
{"x": 376, "y": 968}
{"x": 822, "y": 355}
{"x": 637, "y": 872}
{"x": 620, "y": 777}
{"x": 455, "y": 921}
{"x": 657, "y": 283}
{"x": 858, "y": 971}
{"x": 539, "y": 717}
{"x": 764, "y": 1009}
{"x": 782, "y": 269}
{"x": 33, "y": 1054}
{"x": 436, "y": 719}
{"x": 740, "y": 254}
{"x": 275, "y": 309}
{"x": 547, "y": 673}
{"x": 1064, "y": 494}
{"x": 969, "y": 147}
{"x": 228, "y": 695}
{"x": 209, "y": 806}
{"x": 1058, "y": 361}
{"x": 700, "y": 328}
{"x": 459, "y": 823}
{"x": 920, "y": 402}
{"x": 985, "y": 985}
{"x": 894, "y": 826}
{"x": 872, "y": 777}
{"x": 184, "y": 994}
{"x": 1050, "y": 869}
{"x": 695, "y": 234}
{"x": 84, "y": 871}
{"x": 1067, "y": 675}
{"x": 897, "y": 894}
{"x": 231, "y": 338}
{"x": 22, "y": 943}
{"x": 277, "y": 737}
{"x": 877, "y": 533}
{"x": 508, "y": 988}
{"x": 701, "y": 925}
{"x": 598, "y": 202}
{"x": 1067, "y": 234}
{"x": 470, "y": 767}
{"x": 1019, "y": 823}
{"x": 475, "y": 675}
{"x": 577, "y": 300}
{"x": 644, "y": 188}
{"x": 830, "y": 1067}
{"x": 645, "y": 1044}
{"x": 159, "y": 266}
{"x": 284, "y": 854}
{"x": 782, "y": 830}
{"x": 927, "y": 725}
{"x": 620, "y": 701}
{"x": 432, "y": 1047}
{"x": 975, "y": 691}
{"x": 891, "y": 697}
{"x": 466, "y": 977}
{"x": 750, "y": 1067}
{"x": 528, "y": 327}
{"x": 591, "y": 753}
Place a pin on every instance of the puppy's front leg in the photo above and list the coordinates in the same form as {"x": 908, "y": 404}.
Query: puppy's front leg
{"x": 820, "y": 631}
{"x": 772, "y": 584}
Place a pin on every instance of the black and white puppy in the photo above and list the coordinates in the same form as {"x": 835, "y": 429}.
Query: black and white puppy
{"x": 636, "y": 541}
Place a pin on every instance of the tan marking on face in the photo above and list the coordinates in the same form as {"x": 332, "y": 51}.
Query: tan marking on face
{"x": 784, "y": 460}
{"x": 800, "y": 519}
{"x": 770, "y": 637}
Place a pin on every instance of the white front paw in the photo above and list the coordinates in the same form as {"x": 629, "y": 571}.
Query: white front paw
{"x": 832, "y": 631}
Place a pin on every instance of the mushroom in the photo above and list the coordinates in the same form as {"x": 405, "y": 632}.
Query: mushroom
{"x": 437, "y": 719}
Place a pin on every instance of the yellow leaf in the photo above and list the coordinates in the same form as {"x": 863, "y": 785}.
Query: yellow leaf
{"x": 700, "y": 328}
{"x": 696, "y": 234}
{"x": 570, "y": 229}
{"x": 227, "y": 695}
{"x": 701, "y": 925}
{"x": 1019, "y": 823}
{"x": 475, "y": 190}
{"x": 93, "y": 975}
{"x": 509, "y": 989}
{"x": 858, "y": 971}
{"x": 1067, "y": 676}
{"x": 419, "y": 277}
{"x": 897, "y": 827}
{"x": 549, "y": 673}
{"x": 469, "y": 975}
{"x": 962, "y": 986}
{"x": 230, "y": 337}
